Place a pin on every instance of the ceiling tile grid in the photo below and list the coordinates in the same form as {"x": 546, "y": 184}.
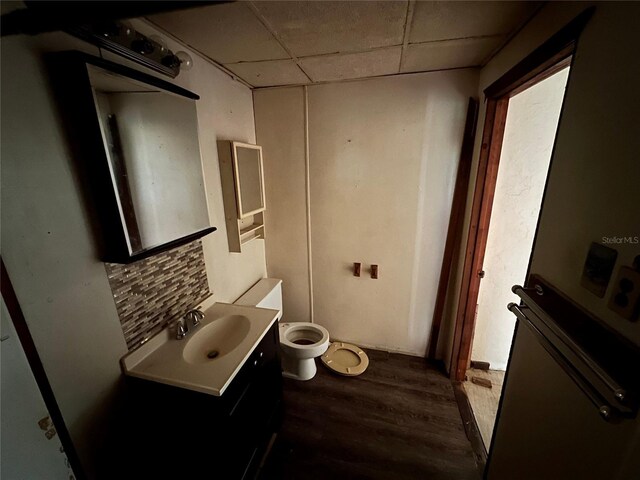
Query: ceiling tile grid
{"x": 274, "y": 43}
{"x": 451, "y": 20}
{"x": 374, "y": 63}
{"x": 269, "y": 73}
{"x": 447, "y": 54}
{"x": 317, "y": 28}
{"x": 226, "y": 33}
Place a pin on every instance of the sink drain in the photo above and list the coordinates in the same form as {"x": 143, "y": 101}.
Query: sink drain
{"x": 213, "y": 354}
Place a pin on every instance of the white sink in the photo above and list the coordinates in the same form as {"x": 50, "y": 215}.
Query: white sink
{"x": 209, "y": 357}
{"x": 213, "y": 341}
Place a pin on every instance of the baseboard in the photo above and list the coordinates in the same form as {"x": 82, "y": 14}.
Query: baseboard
{"x": 470, "y": 427}
{"x": 382, "y": 348}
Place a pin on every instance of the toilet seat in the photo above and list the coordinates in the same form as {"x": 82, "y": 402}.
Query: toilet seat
{"x": 341, "y": 357}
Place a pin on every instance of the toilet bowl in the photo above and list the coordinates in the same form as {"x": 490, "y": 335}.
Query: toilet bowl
{"x": 300, "y": 342}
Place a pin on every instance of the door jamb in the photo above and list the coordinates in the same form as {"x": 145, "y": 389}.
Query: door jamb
{"x": 33, "y": 358}
{"x": 454, "y": 231}
{"x": 553, "y": 55}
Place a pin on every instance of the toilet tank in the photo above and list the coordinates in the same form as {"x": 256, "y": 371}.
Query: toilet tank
{"x": 267, "y": 293}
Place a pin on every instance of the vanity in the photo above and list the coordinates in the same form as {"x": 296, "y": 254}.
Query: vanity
{"x": 192, "y": 416}
{"x": 202, "y": 399}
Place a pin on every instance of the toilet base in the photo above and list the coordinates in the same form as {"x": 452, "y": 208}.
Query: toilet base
{"x": 299, "y": 369}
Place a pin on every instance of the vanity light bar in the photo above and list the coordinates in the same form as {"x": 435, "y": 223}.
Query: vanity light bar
{"x": 123, "y": 39}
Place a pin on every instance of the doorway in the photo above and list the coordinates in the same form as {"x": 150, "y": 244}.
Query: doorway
{"x": 529, "y": 132}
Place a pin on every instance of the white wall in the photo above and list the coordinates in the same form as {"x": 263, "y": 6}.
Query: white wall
{"x": 383, "y": 155}
{"x": 281, "y": 133}
{"x": 47, "y": 244}
{"x": 599, "y": 94}
{"x": 530, "y": 129}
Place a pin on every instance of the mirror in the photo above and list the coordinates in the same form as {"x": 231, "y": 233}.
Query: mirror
{"x": 249, "y": 182}
{"x": 150, "y": 138}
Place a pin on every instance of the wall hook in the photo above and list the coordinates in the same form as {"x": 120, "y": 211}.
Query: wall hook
{"x": 356, "y": 269}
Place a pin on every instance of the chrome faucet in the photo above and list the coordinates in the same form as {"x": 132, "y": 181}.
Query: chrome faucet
{"x": 195, "y": 315}
{"x": 182, "y": 325}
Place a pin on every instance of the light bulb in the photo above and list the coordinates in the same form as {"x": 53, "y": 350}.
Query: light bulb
{"x": 160, "y": 41}
{"x": 127, "y": 29}
{"x": 186, "y": 62}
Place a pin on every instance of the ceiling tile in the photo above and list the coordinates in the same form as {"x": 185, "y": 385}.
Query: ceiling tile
{"x": 269, "y": 73}
{"x": 449, "y": 54}
{"x": 227, "y": 33}
{"x": 447, "y": 20}
{"x": 313, "y": 28}
{"x": 326, "y": 68}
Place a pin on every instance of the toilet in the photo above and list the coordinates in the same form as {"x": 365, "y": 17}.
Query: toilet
{"x": 300, "y": 342}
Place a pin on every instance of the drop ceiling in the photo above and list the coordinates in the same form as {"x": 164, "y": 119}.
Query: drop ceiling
{"x": 303, "y": 42}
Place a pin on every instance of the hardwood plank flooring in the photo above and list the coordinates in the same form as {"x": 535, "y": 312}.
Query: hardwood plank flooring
{"x": 398, "y": 420}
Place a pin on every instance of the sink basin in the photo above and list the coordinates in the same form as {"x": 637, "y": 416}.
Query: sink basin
{"x": 215, "y": 340}
{"x": 210, "y": 356}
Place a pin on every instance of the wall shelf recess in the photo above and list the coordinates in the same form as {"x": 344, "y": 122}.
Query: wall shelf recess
{"x": 241, "y": 174}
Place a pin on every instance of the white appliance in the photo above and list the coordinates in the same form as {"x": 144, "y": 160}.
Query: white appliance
{"x": 569, "y": 408}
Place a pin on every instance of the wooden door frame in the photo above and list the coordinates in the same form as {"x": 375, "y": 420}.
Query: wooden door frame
{"x": 553, "y": 55}
{"x": 456, "y": 218}
{"x": 37, "y": 368}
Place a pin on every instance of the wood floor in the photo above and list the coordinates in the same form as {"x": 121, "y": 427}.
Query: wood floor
{"x": 399, "y": 420}
{"x": 484, "y": 401}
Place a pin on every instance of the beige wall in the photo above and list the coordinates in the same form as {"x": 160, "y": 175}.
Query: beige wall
{"x": 280, "y": 130}
{"x": 591, "y": 102}
{"x": 47, "y": 244}
{"x": 529, "y": 133}
{"x": 383, "y": 155}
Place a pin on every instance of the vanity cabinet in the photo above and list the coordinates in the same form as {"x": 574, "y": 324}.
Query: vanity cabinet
{"x": 242, "y": 178}
{"x": 181, "y": 433}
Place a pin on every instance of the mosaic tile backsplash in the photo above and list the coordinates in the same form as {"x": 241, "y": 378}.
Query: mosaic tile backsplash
{"x": 150, "y": 292}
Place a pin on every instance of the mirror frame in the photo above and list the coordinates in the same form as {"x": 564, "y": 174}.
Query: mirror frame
{"x": 236, "y": 175}
{"x": 70, "y": 80}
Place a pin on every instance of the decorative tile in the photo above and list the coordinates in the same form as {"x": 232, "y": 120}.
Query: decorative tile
{"x": 154, "y": 291}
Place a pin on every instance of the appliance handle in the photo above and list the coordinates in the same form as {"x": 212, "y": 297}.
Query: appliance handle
{"x": 612, "y": 391}
{"x": 604, "y": 408}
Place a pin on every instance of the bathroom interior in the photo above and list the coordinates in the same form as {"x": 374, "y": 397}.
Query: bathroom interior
{"x": 244, "y": 240}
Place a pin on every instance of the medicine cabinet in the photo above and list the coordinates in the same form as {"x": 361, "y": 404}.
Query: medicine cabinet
{"x": 241, "y": 173}
{"x": 137, "y": 150}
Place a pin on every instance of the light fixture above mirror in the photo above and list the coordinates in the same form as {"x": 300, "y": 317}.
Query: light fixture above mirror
{"x": 121, "y": 38}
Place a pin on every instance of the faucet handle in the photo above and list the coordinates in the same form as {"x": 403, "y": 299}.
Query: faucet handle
{"x": 195, "y": 316}
{"x": 181, "y": 329}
